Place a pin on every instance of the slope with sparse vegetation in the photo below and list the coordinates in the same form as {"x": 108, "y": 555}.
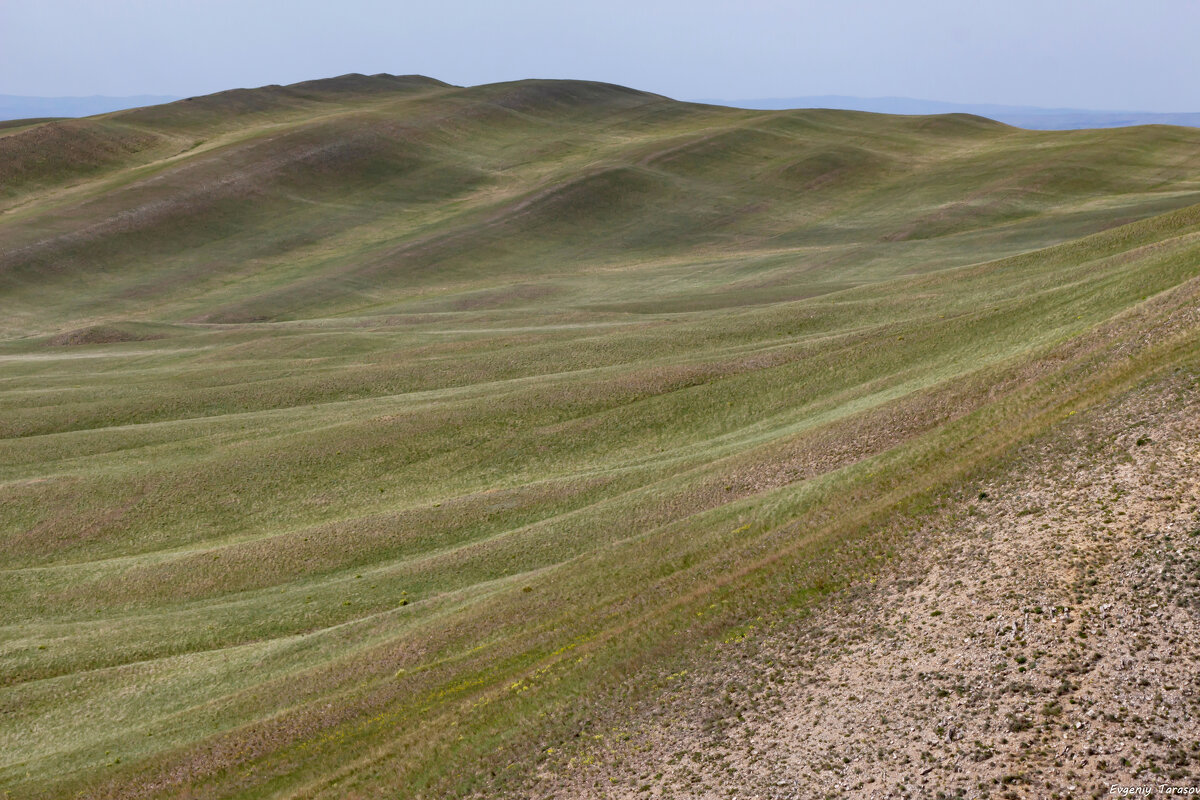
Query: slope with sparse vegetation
{"x": 363, "y": 435}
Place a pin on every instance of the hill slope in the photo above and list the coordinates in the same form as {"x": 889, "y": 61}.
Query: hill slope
{"x": 1031, "y": 634}
{"x": 359, "y": 434}
{"x": 384, "y": 195}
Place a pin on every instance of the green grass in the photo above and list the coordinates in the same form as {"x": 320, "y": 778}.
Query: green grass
{"x": 358, "y": 434}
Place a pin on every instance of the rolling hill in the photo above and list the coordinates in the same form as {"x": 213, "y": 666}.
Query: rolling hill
{"x": 373, "y": 435}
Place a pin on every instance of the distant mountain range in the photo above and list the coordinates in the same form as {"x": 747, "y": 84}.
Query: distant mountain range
{"x": 1021, "y": 116}
{"x": 19, "y": 107}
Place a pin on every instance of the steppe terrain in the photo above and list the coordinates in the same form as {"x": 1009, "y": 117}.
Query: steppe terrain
{"x": 378, "y": 437}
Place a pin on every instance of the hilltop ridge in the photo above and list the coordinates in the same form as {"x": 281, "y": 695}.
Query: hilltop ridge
{"x": 423, "y": 181}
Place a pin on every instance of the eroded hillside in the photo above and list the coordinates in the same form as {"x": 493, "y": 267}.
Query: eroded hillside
{"x": 1037, "y": 639}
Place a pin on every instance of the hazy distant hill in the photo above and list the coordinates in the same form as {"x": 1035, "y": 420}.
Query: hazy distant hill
{"x": 1031, "y": 117}
{"x": 20, "y": 107}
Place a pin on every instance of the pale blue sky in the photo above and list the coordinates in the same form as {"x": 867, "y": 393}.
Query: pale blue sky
{"x": 1123, "y": 54}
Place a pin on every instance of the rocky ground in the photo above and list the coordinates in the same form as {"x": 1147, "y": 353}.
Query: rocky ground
{"x": 1039, "y": 640}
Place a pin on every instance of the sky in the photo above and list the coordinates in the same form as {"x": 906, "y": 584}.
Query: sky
{"x": 1097, "y": 54}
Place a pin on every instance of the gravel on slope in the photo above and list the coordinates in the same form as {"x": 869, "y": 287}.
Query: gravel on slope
{"x": 1040, "y": 640}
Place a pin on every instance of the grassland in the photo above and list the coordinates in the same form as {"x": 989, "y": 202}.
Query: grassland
{"x": 359, "y": 436}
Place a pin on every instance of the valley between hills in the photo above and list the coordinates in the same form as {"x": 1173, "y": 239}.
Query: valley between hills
{"x": 374, "y": 436}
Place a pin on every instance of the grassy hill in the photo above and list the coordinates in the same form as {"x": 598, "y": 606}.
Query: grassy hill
{"x": 359, "y": 435}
